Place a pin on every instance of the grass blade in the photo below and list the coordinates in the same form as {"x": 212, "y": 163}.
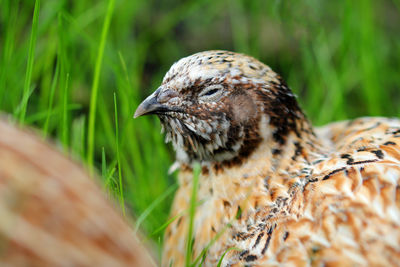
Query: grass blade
{"x": 65, "y": 128}
{"x": 8, "y": 44}
{"x": 41, "y": 115}
{"x": 51, "y": 99}
{"x": 154, "y": 204}
{"x": 29, "y": 67}
{"x": 168, "y": 222}
{"x": 121, "y": 190}
{"x": 213, "y": 240}
{"x": 103, "y": 164}
{"x": 223, "y": 255}
{"x": 77, "y": 143}
{"x": 95, "y": 85}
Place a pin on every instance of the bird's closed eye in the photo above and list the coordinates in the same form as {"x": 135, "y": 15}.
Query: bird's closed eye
{"x": 211, "y": 93}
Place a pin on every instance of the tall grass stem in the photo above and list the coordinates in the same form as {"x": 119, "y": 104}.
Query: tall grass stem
{"x": 29, "y": 66}
{"x": 95, "y": 85}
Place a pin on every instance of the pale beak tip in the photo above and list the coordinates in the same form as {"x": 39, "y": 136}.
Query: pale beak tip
{"x": 139, "y": 111}
{"x": 149, "y": 105}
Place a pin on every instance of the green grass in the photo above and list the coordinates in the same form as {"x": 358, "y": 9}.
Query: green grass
{"x": 95, "y": 86}
{"x": 62, "y": 62}
{"x": 120, "y": 189}
{"x": 31, "y": 54}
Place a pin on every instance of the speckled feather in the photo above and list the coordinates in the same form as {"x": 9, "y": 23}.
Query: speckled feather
{"x": 272, "y": 186}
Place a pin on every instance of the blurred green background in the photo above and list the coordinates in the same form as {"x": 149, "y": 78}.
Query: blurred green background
{"x": 67, "y": 70}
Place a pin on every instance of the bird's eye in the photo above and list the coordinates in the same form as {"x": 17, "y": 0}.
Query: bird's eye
{"x": 211, "y": 93}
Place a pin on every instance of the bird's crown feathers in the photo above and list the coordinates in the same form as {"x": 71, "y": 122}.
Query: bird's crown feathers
{"x": 217, "y": 65}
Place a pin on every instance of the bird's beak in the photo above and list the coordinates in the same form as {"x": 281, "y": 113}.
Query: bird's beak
{"x": 148, "y": 106}
{"x": 152, "y": 105}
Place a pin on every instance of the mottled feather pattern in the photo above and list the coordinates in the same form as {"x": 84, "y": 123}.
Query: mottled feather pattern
{"x": 278, "y": 190}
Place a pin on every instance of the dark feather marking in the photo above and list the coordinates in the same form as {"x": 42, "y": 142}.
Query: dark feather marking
{"x": 243, "y": 253}
{"x": 282, "y": 109}
{"x": 170, "y": 78}
{"x": 285, "y": 236}
{"x": 225, "y": 60}
{"x": 317, "y": 161}
{"x": 363, "y": 161}
{"x": 396, "y": 132}
{"x": 299, "y": 148}
{"x": 217, "y": 167}
{"x": 250, "y": 258}
{"x": 333, "y": 172}
{"x": 252, "y": 67}
{"x": 239, "y": 235}
{"x": 266, "y": 185}
{"x": 179, "y": 221}
{"x": 389, "y": 143}
{"x": 204, "y": 170}
{"x": 297, "y": 151}
{"x": 267, "y": 241}
{"x": 276, "y": 151}
{"x": 344, "y": 168}
{"x": 378, "y": 153}
{"x": 227, "y": 204}
{"x": 373, "y": 126}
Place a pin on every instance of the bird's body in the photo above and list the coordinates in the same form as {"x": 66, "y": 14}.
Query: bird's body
{"x": 273, "y": 190}
{"x": 338, "y": 208}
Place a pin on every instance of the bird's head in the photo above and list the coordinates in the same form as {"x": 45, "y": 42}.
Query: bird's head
{"x": 218, "y": 106}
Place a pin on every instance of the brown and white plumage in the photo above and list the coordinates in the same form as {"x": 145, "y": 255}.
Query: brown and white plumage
{"x": 272, "y": 186}
{"x": 52, "y": 213}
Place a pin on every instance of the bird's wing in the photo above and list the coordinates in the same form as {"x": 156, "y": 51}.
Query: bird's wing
{"x": 348, "y": 212}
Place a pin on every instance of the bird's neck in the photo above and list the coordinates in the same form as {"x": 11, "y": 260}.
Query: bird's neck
{"x": 278, "y": 152}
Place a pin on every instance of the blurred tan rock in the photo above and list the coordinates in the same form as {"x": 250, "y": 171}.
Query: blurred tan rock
{"x": 53, "y": 214}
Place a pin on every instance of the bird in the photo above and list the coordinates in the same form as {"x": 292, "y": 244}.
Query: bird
{"x": 53, "y": 213}
{"x": 273, "y": 190}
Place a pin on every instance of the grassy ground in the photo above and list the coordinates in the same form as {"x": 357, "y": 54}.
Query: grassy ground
{"x": 77, "y": 70}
